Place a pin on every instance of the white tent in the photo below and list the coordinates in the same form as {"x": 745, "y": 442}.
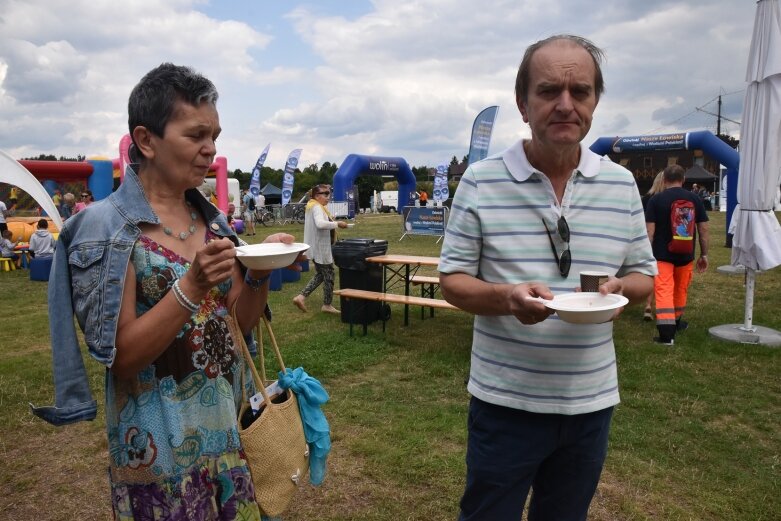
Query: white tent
{"x": 757, "y": 240}
{"x": 13, "y": 173}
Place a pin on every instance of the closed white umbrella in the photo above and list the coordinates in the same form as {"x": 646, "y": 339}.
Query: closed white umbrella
{"x": 757, "y": 240}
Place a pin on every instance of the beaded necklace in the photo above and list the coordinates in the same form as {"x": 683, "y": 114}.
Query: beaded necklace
{"x": 191, "y": 230}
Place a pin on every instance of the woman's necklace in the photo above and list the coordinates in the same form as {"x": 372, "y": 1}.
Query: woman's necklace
{"x": 191, "y": 230}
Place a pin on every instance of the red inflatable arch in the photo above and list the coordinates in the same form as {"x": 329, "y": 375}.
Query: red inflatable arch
{"x": 58, "y": 170}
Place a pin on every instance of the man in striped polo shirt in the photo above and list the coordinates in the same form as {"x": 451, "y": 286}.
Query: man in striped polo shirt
{"x": 524, "y": 223}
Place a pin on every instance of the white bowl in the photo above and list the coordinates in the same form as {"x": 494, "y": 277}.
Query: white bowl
{"x": 269, "y": 256}
{"x": 586, "y": 307}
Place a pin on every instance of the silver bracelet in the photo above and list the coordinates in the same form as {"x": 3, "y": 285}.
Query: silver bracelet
{"x": 182, "y": 299}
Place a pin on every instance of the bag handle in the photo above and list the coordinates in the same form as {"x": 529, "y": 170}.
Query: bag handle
{"x": 260, "y": 383}
{"x": 274, "y": 345}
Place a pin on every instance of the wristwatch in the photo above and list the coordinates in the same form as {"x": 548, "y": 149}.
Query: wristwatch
{"x": 256, "y": 284}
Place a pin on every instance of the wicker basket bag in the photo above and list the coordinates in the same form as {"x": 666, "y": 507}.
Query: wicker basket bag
{"x": 274, "y": 443}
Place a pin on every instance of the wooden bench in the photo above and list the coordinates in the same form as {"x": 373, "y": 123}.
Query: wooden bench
{"x": 390, "y": 298}
{"x": 424, "y": 279}
{"x": 428, "y": 287}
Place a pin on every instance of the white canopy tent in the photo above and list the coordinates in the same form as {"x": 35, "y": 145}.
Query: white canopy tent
{"x": 13, "y": 173}
{"x": 757, "y": 234}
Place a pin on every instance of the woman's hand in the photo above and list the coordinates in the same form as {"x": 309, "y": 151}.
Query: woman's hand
{"x": 212, "y": 265}
{"x": 341, "y": 224}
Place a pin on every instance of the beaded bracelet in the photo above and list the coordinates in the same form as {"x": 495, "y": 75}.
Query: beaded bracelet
{"x": 256, "y": 284}
{"x": 181, "y": 302}
{"x": 182, "y": 299}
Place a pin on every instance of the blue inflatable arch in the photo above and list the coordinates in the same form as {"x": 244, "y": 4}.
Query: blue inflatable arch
{"x": 701, "y": 140}
{"x": 355, "y": 165}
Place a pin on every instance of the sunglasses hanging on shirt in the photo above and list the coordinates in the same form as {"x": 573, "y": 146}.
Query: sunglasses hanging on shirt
{"x": 565, "y": 260}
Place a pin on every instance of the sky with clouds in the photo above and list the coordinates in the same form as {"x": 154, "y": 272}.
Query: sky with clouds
{"x": 382, "y": 77}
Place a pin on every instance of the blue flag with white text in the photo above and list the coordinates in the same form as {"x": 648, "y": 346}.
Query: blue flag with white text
{"x": 481, "y": 134}
{"x": 287, "y": 178}
{"x": 254, "y": 182}
{"x": 441, "y": 192}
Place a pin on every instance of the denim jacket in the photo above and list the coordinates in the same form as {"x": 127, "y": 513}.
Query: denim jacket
{"x": 87, "y": 279}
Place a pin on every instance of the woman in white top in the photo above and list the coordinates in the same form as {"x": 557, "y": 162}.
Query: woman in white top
{"x": 319, "y": 228}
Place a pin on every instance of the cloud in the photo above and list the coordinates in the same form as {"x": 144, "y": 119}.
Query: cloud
{"x": 42, "y": 74}
{"x": 416, "y": 74}
{"x": 70, "y": 68}
{"x": 397, "y": 78}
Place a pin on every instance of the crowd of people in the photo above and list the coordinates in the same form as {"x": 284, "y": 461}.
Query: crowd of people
{"x": 65, "y": 203}
{"x": 174, "y": 307}
{"x": 41, "y": 242}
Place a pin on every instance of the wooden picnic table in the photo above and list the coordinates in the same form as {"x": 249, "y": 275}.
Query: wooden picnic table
{"x": 399, "y": 268}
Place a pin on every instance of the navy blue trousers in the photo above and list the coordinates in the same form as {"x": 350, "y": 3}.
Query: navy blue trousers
{"x": 509, "y": 451}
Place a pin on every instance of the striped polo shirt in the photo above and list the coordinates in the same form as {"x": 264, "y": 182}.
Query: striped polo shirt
{"x": 496, "y": 233}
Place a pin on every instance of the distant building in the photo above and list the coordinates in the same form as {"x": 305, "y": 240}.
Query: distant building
{"x": 456, "y": 171}
{"x": 646, "y": 164}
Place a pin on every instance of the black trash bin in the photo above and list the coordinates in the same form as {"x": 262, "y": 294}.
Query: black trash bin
{"x": 355, "y": 273}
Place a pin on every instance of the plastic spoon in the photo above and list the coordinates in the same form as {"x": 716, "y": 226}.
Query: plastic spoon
{"x": 540, "y": 300}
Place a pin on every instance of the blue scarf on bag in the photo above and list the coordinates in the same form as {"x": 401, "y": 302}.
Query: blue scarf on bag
{"x": 311, "y": 395}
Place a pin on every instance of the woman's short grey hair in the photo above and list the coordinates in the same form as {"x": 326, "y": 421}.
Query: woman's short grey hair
{"x": 151, "y": 102}
{"x": 522, "y": 78}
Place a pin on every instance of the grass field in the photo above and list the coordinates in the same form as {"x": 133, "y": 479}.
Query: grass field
{"x": 696, "y": 436}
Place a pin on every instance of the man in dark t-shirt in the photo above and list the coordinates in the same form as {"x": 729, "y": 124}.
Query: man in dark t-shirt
{"x": 675, "y": 269}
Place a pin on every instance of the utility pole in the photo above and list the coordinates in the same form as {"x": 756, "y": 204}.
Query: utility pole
{"x": 718, "y": 121}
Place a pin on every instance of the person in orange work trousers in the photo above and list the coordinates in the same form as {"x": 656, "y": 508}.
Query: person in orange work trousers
{"x": 675, "y": 266}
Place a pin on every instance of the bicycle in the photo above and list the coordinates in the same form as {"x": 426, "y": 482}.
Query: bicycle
{"x": 265, "y": 216}
{"x": 299, "y": 214}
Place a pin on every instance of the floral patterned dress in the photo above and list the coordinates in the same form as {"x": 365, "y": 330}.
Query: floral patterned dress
{"x": 172, "y": 434}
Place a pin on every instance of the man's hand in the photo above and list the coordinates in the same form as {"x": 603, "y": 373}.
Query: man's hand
{"x": 529, "y": 311}
{"x": 613, "y": 285}
{"x": 280, "y": 237}
{"x": 286, "y": 238}
{"x": 702, "y": 263}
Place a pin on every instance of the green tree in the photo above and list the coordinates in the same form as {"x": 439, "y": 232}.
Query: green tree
{"x": 42, "y": 157}
{"x": 366, "y": 185}
{"x": 327, "y": 172}
{"x": 271, "y": 175}
{"x": 243, "y": 177}
{"x": 420, "y": 173}
{"x": 731, "y": 141}
{"x": 304, "y": 180}
{"x": 52, "y": 157}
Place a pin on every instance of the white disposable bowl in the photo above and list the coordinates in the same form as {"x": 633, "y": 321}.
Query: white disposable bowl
{"x": 586, "y": 307}
{"x": 269, "y": 256}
